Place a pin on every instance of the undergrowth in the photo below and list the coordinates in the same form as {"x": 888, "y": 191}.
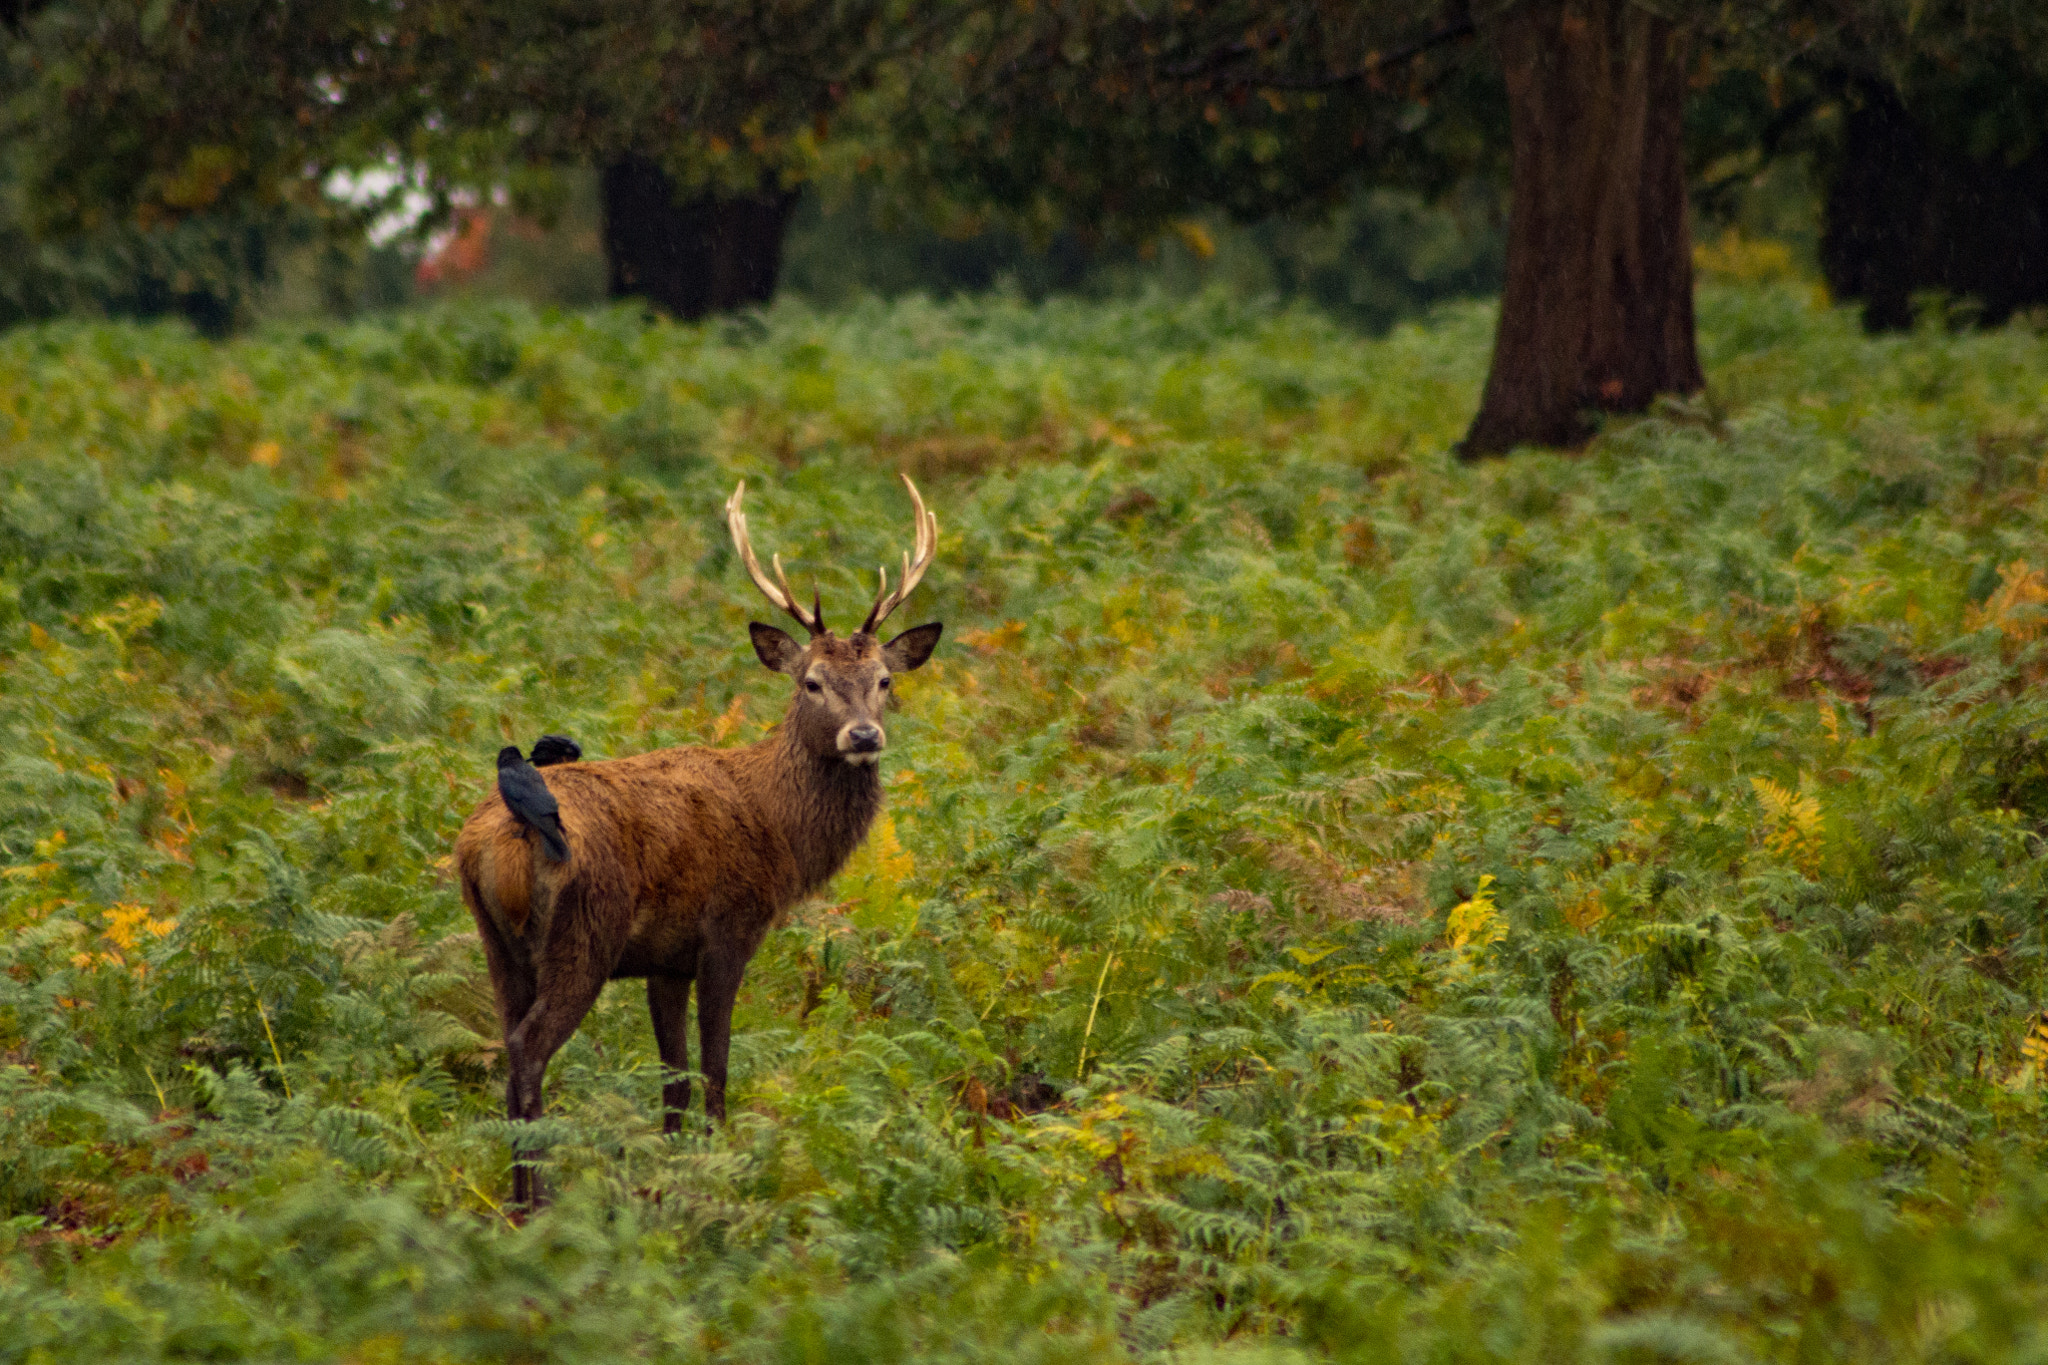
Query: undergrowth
{"x": 1335, "y": 902}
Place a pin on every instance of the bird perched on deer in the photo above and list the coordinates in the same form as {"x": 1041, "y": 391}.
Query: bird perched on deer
{"x": 552, "y": 749}
{"x": 681, "y": 858}
{"x": 525, "y": 793}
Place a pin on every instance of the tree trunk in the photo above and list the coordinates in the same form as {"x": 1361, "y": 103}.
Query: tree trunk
{"x": 1906, "y": 215}
{"x": 695, "y": 256}
{"x": 1596, "y": 315}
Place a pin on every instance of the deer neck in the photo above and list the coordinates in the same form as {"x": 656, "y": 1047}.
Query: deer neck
{"x": 829, "y": 804}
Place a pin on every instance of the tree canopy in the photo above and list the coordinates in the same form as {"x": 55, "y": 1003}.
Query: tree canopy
{"x": 1105, "y": 118}
{"x": 161, "y": 110}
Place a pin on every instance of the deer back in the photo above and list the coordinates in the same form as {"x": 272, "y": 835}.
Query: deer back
{"x": 659, "y": 841}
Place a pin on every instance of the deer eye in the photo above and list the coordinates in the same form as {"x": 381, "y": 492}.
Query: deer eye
{"x": 812, "y": 687}
{"x": 883, "y": 684}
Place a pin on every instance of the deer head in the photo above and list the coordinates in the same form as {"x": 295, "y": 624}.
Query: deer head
{"x": 842, "y": 683}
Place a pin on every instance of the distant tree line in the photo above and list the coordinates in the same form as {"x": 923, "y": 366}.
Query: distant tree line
{"x": 131, "y": 122}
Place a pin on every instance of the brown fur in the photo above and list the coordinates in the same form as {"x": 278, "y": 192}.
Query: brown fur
{"x": 679, "y": 860}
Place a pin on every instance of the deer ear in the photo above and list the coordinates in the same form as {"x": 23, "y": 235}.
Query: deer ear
{"x": 910, "y": 649}
{"x": 777, "y": 652}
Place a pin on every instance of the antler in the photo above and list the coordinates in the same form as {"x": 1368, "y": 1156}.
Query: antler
{"x": 915, "y": 562}
{"x": 812, "y": 620}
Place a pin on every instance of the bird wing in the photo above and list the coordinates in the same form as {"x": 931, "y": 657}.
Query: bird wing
{"x": 527, "y": 796}
{"x": 526, "y": 793}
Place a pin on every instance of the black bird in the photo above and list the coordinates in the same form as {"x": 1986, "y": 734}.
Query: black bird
{"x": 531, "y": 803}
{"x": 555, "y": 749}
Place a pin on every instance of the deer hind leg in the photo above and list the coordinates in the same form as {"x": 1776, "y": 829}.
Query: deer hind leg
{"x": 668, "y": 1001}
{"x": 511, "y": 978}
{"x": 568, "y": 987}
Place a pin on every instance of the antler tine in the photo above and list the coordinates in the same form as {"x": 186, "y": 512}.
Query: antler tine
{"x": 926, "y": 525}
{"x": 926, "y": 543}
{"x": 782, "y": 597}
{"x": 789, "y": 594}
{"x": 881, "y": 605}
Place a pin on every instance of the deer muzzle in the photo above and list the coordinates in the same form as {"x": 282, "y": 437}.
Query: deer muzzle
{"x": 861, "y": 742}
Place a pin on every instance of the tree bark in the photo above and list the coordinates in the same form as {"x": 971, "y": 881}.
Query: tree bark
{"x": 1906, "y": 215}
{"x": 1596, "y": 315}
{"x": 695, "y": 256}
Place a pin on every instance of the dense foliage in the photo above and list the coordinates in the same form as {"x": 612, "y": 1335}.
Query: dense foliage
{"x": 1336, "y": 900}
{"x": 160, "y": 111}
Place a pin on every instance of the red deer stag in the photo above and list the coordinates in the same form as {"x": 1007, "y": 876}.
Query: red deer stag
{"x": 680, "y": 859}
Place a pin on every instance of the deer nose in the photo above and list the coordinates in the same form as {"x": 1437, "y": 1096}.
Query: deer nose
{"x": 863, "y": 738}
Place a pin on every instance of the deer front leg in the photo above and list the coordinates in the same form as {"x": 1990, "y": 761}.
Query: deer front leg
{"x": 668, "y": 1002}
{"x": 719, "y": 969}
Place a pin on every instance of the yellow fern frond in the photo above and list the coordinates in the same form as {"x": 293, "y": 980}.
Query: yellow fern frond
{"x": 1830, "y": 722}
{"x": 874, "y": 877}
{"x": 2034, "y": 1043}
{"x": 2033, "y": 1055}
{"x": 2017, "y": 606}
{"x": 1794, "y": 823}
{"x": 1776, "y": 800}
{"x": 893, "y": 861}
{"x": 1477, "y": 924}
